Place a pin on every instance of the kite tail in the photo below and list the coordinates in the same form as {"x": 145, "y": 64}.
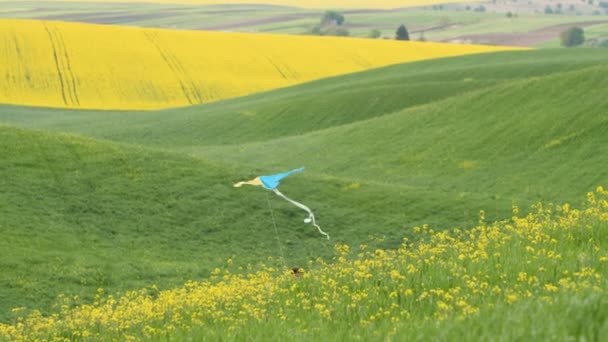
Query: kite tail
{"x": 311, "y": 216}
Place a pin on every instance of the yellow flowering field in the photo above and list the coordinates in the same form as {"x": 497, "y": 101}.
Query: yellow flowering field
{"x": 539, "y": 276}
{"x": 73, "y": 65}
{"x": 337, "y": 4}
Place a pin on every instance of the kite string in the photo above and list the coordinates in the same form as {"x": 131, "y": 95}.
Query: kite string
{"x": 276, "y": 231}
{"x": 311, "y": 216}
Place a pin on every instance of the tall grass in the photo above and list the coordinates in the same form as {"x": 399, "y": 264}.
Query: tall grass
{"x": 534, "y": 276}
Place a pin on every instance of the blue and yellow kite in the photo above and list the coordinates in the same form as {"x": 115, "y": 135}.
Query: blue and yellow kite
{"x": 272, "y": 182}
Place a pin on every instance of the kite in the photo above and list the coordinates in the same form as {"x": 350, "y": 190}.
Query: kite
{"x": 272, "y": 182}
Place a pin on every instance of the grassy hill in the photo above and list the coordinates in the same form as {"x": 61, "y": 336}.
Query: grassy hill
{"x": 309, "y": 107}
{"x": 137, "y": 198}
{"x": 80, "y": 214}
{"x": 536, "y": 277}
{"x": 527, "y": 136}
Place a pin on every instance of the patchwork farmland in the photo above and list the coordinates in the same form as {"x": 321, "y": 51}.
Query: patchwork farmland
{"x": 342, "y": 4}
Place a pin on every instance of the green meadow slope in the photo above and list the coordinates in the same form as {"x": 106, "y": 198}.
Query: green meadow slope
{"x": 80, "y": 214}
{"x": 129, "y": 199}
{"x": 309, "y": 107}
{"x": 534, "y": 137}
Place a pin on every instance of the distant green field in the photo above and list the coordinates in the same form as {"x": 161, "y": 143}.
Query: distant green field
{"x": 435, "y": 23}
{"x": 152, "y": 15}
{"x": 523, "y": 23}
{"x": 592, "y": 33}
{"x": 121, "y": 200}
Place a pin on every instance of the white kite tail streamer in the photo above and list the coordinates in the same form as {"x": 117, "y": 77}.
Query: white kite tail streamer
{"x": 311, "y": 216}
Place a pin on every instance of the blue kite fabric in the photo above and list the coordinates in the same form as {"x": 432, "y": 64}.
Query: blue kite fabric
{"x": 272, "y": 182}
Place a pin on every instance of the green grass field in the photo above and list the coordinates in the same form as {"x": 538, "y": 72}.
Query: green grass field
{"x": 595, "y": 33}
{"x": 123, "y": 200}
{"x": 530, "y": 277}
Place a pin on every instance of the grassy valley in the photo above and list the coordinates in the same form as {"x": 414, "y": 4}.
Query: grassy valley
{"x": 461, "y": 184}
{"x": 122, "y": 200}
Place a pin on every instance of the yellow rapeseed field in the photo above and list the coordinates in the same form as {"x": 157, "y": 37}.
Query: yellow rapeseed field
{"x": 339, "y": 4}
{"x": 73, "y": 65}
{"x": 543, "y": 258}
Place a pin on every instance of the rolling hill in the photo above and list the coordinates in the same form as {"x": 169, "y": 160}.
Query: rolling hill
{"x": 55, "y": 64}
{"x": 121, "y": 200}
{"x": 82, "y": 214}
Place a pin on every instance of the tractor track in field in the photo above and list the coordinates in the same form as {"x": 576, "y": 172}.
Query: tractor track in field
{"x": 276, "y": 67}
{"x": 23, "y": 66}
{"x": 286, "y": 72}
{"x": 187, "y": 84}
{"x": 57, "y": 67}
{"x": 67, "y": 80}
{"x": 72, "y": 78}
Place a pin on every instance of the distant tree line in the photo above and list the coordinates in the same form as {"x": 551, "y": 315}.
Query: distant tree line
{"x": 332, "y": 18}
{"x": 375, "y": 33}
{"x": 402, "y": 33}
{"x": 573, "y": 36}
{"x": 331, "y": 25}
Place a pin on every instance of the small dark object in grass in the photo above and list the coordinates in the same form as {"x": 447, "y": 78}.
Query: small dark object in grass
{"x": 297, "y": 272}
